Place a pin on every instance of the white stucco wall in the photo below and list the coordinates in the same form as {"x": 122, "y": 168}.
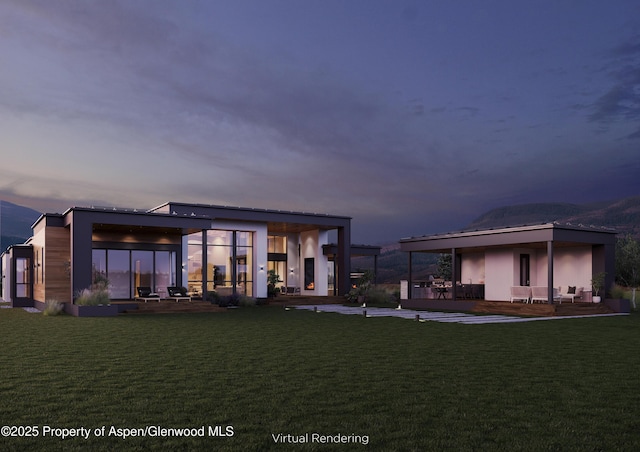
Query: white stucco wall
{"x": 572, "y": 267}
{"x": 499, "y": 274}
{"x": 293, "y": 261}
{"x": 311, "y": 246}
{"x": 472, "y": 269}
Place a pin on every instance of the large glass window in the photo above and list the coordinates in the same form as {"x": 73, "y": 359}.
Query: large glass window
{"x": 118, "y": 273}
{"x": 98, "y": 264}
{"x": 277, "y": 252}
{"x": 127, "y": 270}
{"x": 23, "y": 277}
{"x": 229, "y": 262}
{"x": 281, "y": 270}
{"x": 142, "y": 269}
{"x": 277, "y": 244}
{"x": 194, "y": 263}
{"x": 165, "y": 271}
{"x": 219, "y": 261}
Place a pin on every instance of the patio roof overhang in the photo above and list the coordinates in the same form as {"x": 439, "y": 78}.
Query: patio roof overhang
{"x": 331, "y": 250}
{"x": 529, "y": 236}
{"x": 278, "y": 221}
{"x": 134, "y": 222}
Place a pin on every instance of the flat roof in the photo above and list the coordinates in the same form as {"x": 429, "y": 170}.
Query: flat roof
{"x": 530, "y": 235}
{"x": 166, "y": 215}
{"x": 197, "y": 206}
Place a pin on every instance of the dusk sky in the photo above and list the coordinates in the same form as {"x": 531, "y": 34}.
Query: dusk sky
{"x": 412, "y": 117}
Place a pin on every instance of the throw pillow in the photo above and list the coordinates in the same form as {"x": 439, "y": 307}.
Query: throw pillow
{"x": 572, "y": 289}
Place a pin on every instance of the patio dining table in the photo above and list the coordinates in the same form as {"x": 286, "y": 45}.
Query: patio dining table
{"x": 442, "y": 291}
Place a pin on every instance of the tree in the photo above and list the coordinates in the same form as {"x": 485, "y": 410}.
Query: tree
{"x": 628, "y": 263}
{"x": 444, "y": 266}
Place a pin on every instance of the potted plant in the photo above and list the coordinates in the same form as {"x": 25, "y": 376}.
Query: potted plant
{"x": 272, "y": 279}
{"x": 597, "y": 283}
{"x": 362, "y": 286}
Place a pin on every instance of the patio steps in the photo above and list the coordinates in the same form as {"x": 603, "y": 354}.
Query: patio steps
{"x": 583, "y": 309}
{"x": 172, "y": 307}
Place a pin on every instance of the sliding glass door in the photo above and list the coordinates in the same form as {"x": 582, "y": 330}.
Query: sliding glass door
{"x": 126, "y": 270}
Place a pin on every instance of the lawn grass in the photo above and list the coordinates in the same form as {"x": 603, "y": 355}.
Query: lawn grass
{"x": 548, "y": 385}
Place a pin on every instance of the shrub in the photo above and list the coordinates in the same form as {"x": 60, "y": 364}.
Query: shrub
{"x": 377, "y": 296}
{"x": 52, "y": 307}
{"x": 617, "y": 291}
{"x": 95, "y": 297}
{"x": 228, "y": 300}
{"x": 213, "y": 297}
{"x": 246, "y": 301}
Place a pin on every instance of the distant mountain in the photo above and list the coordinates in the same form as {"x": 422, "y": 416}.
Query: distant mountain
{"x": 622, "y": 215}
{"x": 15, "y": 223}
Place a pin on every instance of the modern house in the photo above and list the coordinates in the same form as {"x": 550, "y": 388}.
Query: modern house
{"x": 549, "y": 255}
{"x": 201, "y": 247}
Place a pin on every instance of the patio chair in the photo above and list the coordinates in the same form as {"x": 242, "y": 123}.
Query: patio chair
{"x": 541, "y": 294}
{"x": 177, "y": 293}
{"x": 522, "y": 293}
{"x": 571, "y": 293}
{"x": 145, "y": 294}
{"x": 292, "y": 290}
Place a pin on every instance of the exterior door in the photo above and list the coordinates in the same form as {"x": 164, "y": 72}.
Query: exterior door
{"x": 22, "y": 282}
{"x": 525, "y": 270}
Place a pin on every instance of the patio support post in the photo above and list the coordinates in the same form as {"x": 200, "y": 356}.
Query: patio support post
{"x": 81, "y": 227}
{"x": 410, "y": 283}
{"x": 454, "y": 274}
{"x": 550, "y": 271}
{"x": 234, "y": 269}
{"x": 205, "y": 265}
{"x": 344, "y": 259}
{"x": 375, "y": 270}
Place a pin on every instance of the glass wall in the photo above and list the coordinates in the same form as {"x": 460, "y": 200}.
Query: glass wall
{"x": 281, "y": 270}
{"x": 127, "y": 270}
{"x": 194, "y": 263}
{"x": 118, "y": 273}
{"x": 165, "y": 274}
{"x": 229, "y": 262}
{"x": 142, "y": 269}
{"x": 277, "y": 252}
{"x": 23, "y": 277}
{"x": 219, "y": 261}
{"x": 277, "y": 244}
{"x": 244, "y": 262}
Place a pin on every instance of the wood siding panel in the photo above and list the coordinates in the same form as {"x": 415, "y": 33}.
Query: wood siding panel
{"x": 37, "y": 242}
{"x": 57, "y": 255}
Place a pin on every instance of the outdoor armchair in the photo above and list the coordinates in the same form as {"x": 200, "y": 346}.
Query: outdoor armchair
{"x": 570, "y": 293}
{"x": 522, "y": 293}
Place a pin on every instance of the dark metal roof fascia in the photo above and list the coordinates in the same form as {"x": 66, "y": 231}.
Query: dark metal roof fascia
{"x": 508, "y": 236}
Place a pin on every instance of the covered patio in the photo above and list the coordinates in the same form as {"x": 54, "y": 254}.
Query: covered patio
{"x": 550, "y": 256}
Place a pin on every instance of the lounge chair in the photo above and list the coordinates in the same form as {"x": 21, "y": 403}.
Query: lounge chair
{"x": 177, "y": 293}
{"x": 145, "y": 294}
{"x": 522, "y": 293}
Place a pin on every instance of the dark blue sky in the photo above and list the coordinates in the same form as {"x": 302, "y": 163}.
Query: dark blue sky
{"x": 412, "y": 117}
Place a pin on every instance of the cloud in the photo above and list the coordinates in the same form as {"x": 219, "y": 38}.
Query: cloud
{"x": 622, "y": 100}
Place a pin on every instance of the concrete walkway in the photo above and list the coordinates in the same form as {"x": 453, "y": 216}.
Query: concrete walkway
{"x": 424, "y": 316}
